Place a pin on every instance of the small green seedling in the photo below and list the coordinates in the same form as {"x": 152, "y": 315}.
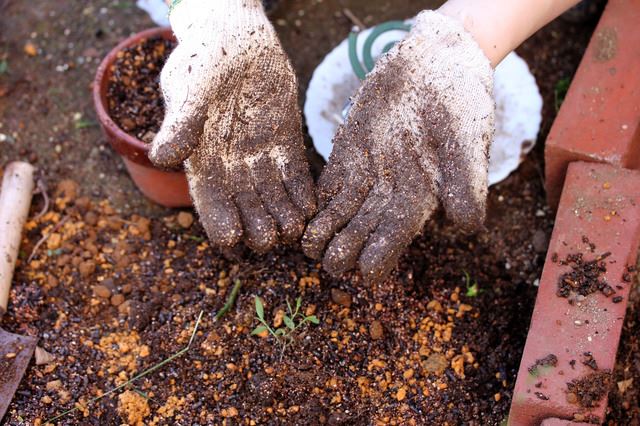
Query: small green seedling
{"x": 84, "y": 124}
{"x": 560, "y": 91}
{"x": 230, "y": 300}
{"x": 194, "y": 238}
{"x": 473, "y": 290}
{"x": 293, "y": 321}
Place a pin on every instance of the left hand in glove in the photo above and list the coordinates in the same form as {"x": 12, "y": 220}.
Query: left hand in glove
{"x": 417, "y": 136}
{"x": 232, "y": 114}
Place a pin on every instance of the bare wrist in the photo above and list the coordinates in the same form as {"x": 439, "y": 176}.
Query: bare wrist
{"x": 499, "y": 26}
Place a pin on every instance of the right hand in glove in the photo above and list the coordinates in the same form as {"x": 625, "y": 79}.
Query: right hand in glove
{"x": 417, "y": 136}
{"x": 232, "y": 113}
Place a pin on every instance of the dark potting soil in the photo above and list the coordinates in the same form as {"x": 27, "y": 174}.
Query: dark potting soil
{"x": 624, "y": 397}
{"x": 112, "y": 295}
{"x": 585, "y": 276}
{"x": 134, "y": 97}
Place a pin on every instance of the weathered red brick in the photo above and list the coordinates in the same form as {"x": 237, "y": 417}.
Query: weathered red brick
{"x": 600, "y": 117}
{"x": 561, "y": 422}
{"x": 600, "y": 203}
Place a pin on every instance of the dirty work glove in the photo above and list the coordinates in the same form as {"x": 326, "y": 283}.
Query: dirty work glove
{"x": 232, "y": 113}
{"x": 417, "y": 136}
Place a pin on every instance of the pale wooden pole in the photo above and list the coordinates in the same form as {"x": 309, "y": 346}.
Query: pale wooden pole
{"x": 15, "y": 201}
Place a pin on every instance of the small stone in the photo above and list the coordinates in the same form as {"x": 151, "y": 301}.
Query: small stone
{"x": 54, "y": 241}
{"x": 436, "y": 363}
{"x": 43, "y": 357}
{"x": 457, "y": 364}
{"x": 52, "y": 281}
{"x": 54, "y": 385}
{"x": 185, "y": 219}
{"x": 46, "y": 399}
{"x": 128, "y": 124}
{"x": 108, "y": 283}
{"x": 572, "y": 398}
{"x": 401, "y": 394}
{"x": 87, "y": 268}
{"x": 144, "y": 227}
{"x": 30, "y": 49}
{"x": 149, "y": 136}
{"x": 117, "y": 299}
{"x": 434, "y": 305}
{"x": 83, "y": 203}
{"x": 624, "y": 385}
{"x": 10, "y": 355}
{"x": 278, "y": 318}
{"x": 68, "y": 189}
{"x": 125, "y": 308}
{"x": 102, "y": 291}
{"x": 229, "y": 412}
{"x": 91, "y": 218}
{"x": 376, "y": 330}
{"x": 540, "y": 241}
{"x": 340, "y": 297}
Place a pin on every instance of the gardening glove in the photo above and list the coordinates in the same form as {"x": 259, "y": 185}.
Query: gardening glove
{"x": 417, "y": 136}
{"x": 232, "y": 116}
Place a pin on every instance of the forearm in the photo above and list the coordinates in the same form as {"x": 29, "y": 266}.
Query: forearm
{"x": 172, "y": 3}
{"x": 499, "y": 26}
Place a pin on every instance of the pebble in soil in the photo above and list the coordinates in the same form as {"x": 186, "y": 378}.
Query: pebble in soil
{"x": 406, "y": 351}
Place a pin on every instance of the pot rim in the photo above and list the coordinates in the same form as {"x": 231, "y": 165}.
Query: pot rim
{"x": 101, "y": 80}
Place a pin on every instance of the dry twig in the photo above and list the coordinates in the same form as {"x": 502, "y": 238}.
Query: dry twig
{"x": 42, "y": 189}
{"x": 45, "y": 238}
{"x": 354, "y": 19}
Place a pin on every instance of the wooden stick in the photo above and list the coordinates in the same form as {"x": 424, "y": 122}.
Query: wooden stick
{"x": 15, "y": 200}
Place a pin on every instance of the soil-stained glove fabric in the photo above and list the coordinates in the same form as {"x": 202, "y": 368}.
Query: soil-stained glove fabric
{"x": 417, "y": 136}
{"x": 232, "y": 113}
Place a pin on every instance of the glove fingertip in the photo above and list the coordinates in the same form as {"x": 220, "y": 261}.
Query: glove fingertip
{"x": 175, "y": 141}
{"x": 466, "y": 211}
{"x": 224, "y": 235}
{"x": 336, "y": 263}
{"x": 312, "y": 241}
{"x": 165, "y": 155}
{"x": 376, "y": 268}
{"x": 220, "y": 220}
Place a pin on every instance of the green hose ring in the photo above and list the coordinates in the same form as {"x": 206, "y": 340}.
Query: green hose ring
{"x": 360, "y": 71}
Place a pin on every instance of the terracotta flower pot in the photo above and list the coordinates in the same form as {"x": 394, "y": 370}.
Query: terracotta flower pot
{"x": 167, "y": 188}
